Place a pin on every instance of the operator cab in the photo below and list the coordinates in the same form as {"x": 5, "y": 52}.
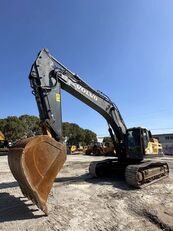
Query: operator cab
{"x": 137, "y": 142}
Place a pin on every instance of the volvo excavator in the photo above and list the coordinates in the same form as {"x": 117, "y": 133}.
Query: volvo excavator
{"x": 36, "y": 161}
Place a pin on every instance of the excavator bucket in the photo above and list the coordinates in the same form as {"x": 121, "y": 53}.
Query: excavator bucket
{"x": 35, "y": 163}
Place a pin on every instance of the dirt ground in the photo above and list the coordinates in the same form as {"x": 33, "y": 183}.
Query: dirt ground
{"x": 79, "y": 202}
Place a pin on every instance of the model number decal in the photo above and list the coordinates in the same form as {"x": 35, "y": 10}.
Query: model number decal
{"x": 58, "y": 97}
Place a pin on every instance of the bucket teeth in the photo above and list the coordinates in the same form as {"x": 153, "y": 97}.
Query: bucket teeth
{"x": 35, "y": 163}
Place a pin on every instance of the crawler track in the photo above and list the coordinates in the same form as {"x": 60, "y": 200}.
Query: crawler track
{"x": 144, "y": 174}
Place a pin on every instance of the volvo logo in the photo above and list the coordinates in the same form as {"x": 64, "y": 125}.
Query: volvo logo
{"x": 86, "y": 92}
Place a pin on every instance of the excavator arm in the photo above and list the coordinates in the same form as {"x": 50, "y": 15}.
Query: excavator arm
{"x": 48, "y": 77}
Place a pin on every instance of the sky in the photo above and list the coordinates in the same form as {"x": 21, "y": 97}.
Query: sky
{"x": 120, "y": 47}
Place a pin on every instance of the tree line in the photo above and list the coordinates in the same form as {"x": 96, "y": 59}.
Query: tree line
{"x": 74, "y": 134}
{"x": 15, "y": 128}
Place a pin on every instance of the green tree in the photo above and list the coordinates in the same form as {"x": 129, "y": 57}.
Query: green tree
{"x": 66, "y": 129}
{"x": 15, "y": 128}
{"x": 31, "y": 125}
{"x": 12, "y": 128}
{"x": 76, "y": 134}
{"x": 2, "y": 124}
{"x": 89, "y": 137}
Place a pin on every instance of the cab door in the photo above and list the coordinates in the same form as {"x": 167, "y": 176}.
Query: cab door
{"x": 135, "y": 149}
{"x": 146, "y": 139}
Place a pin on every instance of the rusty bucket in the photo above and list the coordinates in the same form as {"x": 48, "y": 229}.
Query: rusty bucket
{"x": 35, "y": 163}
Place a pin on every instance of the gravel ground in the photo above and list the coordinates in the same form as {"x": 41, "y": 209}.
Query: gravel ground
{"x": 79, "y": 202}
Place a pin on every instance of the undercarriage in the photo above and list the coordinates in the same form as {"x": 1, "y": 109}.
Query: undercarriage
{"x": 138, "y": 175}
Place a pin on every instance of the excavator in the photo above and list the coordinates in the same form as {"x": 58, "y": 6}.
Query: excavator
{"x": 36, "y": 161}
{"x": 2, "y": 138}
{"x": 4, "y": 144}
{"x": 101, "y": 149}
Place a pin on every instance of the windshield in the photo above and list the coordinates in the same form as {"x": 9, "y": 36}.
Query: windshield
{"x": 133, "y": 138}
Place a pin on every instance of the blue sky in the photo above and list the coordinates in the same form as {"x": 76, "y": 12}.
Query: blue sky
{"x": 123, "y": 48}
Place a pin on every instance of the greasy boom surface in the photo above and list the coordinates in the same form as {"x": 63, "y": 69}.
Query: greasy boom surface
{"x": 79, "y": 202}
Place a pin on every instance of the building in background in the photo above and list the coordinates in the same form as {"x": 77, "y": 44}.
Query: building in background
{"x": 167, "y": 142}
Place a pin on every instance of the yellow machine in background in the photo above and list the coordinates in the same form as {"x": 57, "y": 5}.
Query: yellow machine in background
{"x": 154, "y": 147}
{"x": 2, "y": 137}
{"x": 99, "y": 149}
{"x": 3, "y": 143}
{"x": 74, "y": 149}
